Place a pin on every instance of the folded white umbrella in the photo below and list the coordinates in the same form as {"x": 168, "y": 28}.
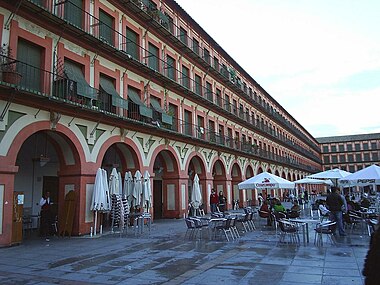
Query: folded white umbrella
{"x": 137, "y": 189}
{"x": 196, "y": 195}
{"x": 147, "y": 191}
{"x": 114, "y": 185}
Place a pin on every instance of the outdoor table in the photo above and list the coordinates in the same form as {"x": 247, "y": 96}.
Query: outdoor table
{"x": 305, "y": 227}
{"x": 139, "y": 221}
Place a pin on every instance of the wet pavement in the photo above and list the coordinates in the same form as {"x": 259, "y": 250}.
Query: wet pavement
{"x": 165, "y": 256}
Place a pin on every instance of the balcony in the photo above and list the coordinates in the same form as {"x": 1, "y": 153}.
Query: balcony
{"x": 153, "y": 67}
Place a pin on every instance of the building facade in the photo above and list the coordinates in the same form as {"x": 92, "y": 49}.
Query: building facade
{"x": 350, "y": 153}
{"x": 135, "y": 85}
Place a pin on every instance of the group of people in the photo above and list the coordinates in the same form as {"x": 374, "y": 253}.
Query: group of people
{"x": 217, "y": 201}
{"x": 274, "y": 207}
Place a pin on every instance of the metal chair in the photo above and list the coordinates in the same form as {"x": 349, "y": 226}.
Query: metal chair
{"x": 289, "y": 229}
{"x": 325, "y": 228}
{"x": 190, "y": 227}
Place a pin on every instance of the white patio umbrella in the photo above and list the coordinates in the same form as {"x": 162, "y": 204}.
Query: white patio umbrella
{"x": 107, "y": 205}
{"x": 266, "y": 180}
{"x": 147, "y": 191}
{"x": 196, "y": 195}
{"x": 137, "y": 189}
{"x": 120, "y": 183}
{"x": 99, "y": 202}
{"x": 128, "y": 186}
{"x": 335, "y": 174}
{"x": 308, "y": 180}
{"x": 114, "y": 184}
{"x": 366, "y": 176}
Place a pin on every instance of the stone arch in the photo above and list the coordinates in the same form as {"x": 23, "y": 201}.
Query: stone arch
{"x": 168, "y": 185}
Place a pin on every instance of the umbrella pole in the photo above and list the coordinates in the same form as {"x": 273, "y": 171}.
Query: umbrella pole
{"x": 96, "y": 218}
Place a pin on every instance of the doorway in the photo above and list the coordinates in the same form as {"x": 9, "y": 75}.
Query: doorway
{"x": 157, "y": 199}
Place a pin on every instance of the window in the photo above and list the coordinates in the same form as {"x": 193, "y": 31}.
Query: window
{"x": 375, "y": 156}
{"x": 74, "y": 72}
{"x": 173, "y": 111}
{"x": 218, "y": 97}
{"x": 171, "y": 24}
{"x": 185, "y": 77}
{"x": 334, "y": 159}
{"x": 187, "y": 123}
{"x": 221, "y": 134}
{"x": 325, "y": 149}
{"x": 358, "y": 157}
{"x": 183, "y": 35}
{"x": 333, "y": 148}
{"x": 170, "y": 67}
{"x": 229, "y": 139}
{"x": 201, "y": 127}
{"x": 227, "y": 103}
{"x": 234, "y": 106}
{"x": 373, "y": 145}
{"x": 342, "y": 158}
{"x": 153, "y": 57}
{"x": 326, "y": 159}
{"x": 206, "y": 55}
{"x": 160, "y": 114}
{"x": 350, "y": 158}
{"x": 195, "y": 46}
{"x": 211, "y": 129}
{"x": 341, "y": 147}
{"x": 131, "y": 45}
{"x": 106, "y": 31}
{"x": 352, "y": 168}
{"x": 31, "y": 73}
{"x": 209, "y": 91}
{"x": 107, "y": 90}
{"x": 357, "y": 146}
{"x": 216, "y": 63}
{"x": 198, "y": 85}
{"x": 366, "y": 156}
{"x": 365, "y": 146}
{"x": 73, "y": 12}
{"x": 135, "y": 106}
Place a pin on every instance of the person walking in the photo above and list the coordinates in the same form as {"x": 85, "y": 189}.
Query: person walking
{"x": 222, "y": 201}
{"x": 213, "y": 200}
{"x": 334, "y": 203}
{"x": 46, "y": 219}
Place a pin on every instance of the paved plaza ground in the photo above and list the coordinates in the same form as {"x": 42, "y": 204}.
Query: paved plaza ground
{"x": 165, "y": 256}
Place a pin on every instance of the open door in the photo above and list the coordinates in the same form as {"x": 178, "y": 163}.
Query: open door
{"x": 157, "y": 199}
{"x": 17, "y": 214}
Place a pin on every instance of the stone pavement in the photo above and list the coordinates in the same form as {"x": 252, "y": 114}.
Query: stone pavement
{"x": 165, "y": 257}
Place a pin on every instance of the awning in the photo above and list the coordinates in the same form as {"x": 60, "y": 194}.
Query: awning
{"x": 74, "y": 73}
{"x": 109, "y": 88}
{"x": 165, "y": 118}
{"x": 144, "y": 111}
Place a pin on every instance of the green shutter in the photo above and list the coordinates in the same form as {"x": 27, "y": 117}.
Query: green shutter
{"x": 105, "y": 28}
{"x": 74, "y": 12}
{"x": 132, "y": 46}
{"x": 74, "y": 72}
{"x": 29, "y": 54}
{"x": 170, "y": 62}
{"x": 153, "y": 57}
{"x": 135, "y": 98}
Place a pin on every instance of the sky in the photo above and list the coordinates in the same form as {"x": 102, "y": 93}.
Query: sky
{"x": 319, "y": 59}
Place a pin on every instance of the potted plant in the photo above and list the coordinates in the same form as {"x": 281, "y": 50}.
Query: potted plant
{"x": 8, "y": 70}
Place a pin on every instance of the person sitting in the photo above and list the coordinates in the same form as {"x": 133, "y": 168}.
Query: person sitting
{"x": 278, "y": 207}
{"x": 323, "y": 209}
{"x": 365, "y": 203}
{"x": 294, "y": 211}
{"x": 264, "y": 212}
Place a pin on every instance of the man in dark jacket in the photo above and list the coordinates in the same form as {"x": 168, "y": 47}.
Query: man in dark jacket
{"x": 371, "y": 269}
{"x": 334, "y": 203}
